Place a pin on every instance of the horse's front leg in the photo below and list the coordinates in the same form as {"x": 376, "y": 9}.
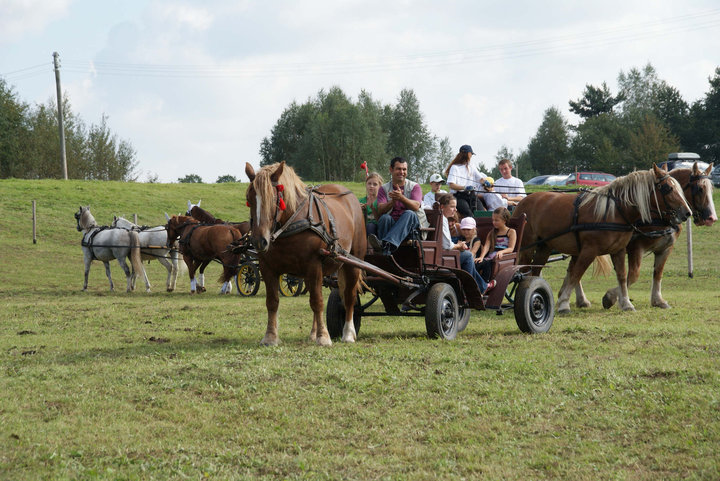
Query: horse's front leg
{"x": 581, "y": 299}
{"x": 191, "y": 266}
{"x": 348, "y": 280}
{"x": 319, "y": 332}
{"x": 272, "y": 301}
{"x": 169, "y": 268}
{"x": 201, "y": 277}
{"x": 576, "y": 268}
{"x": 88, "y": 262}
{"x": 618, "y": 259}
{"x": 656, "y": 298}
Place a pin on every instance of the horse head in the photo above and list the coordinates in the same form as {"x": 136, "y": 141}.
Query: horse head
{"x": 191, "y": 205}
{"x": 699, "y": 193}
{"x": 84, "y": 218}
{"x": 676, "y": 209}
{"x": 272, "y": 197}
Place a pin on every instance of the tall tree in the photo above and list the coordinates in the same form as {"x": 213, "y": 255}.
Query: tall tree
{"x": 595, "y": 101}
{"x": 408, "y": 135}
{"x": 13, "y": 131}
{"x": 650, "y": 143}
{"x": 549, "y": 148}
{"x": 704, "y": 136}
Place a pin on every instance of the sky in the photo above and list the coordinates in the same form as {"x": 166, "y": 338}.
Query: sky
{"x": 194, "y": 87}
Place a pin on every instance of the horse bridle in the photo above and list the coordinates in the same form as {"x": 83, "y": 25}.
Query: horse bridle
{"x": 694, "y": 186}
{"x": 669, "y": 214}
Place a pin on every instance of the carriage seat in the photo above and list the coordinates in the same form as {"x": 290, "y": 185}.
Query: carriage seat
{"x": 484, "y": 226}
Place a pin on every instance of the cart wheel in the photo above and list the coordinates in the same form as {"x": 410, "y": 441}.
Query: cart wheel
{"x": 441, "y": 312}
{"x": 335, "y": 315}
{"x": 534, "y": 305}
{"x": 290, "y": 286}
{"x": 464, "y": 318}
{"x": 247, "y": 279}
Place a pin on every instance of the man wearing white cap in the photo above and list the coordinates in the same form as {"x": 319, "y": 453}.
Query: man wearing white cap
{"x": 436, "y": 181}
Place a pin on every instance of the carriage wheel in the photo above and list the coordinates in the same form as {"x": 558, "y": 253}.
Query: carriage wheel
{"x": 534, "y": 305}
{"x": 441, "y": 312}
{"x": 290, "y": 286}
{"x": 463, "y": 318}
{"x": 247, "y": 280}
{"x": 335, "y": 314}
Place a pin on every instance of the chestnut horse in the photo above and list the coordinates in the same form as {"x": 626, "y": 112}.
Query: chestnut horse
{"x": 200, "y": 244}
{"x": 290, "y": 224}
{"x": 698, "y": 190}
{"x": 594, "y": 223}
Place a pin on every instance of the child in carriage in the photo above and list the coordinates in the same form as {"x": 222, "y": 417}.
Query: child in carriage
{"x": 369, "y": 202}
{"x": 499, "y": 241}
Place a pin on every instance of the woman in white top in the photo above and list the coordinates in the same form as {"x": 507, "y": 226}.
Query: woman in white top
{"x": 464, "y": 179}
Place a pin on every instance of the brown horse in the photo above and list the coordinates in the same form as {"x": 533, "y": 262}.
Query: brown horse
{"x": 594, "y": 223}
{"x": 205, "y": 217}
{"x": 290, "y": 224}
{"x": 698, "y": 190}
{"x": 200, "y": 244}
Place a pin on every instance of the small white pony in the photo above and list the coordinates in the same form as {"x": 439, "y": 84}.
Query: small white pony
{"x": 105, "y": 244}
{"x": 153, "y": 241}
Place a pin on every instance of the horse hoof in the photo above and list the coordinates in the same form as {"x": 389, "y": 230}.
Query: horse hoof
{"x": 323, "y": 341}
{"x": 662, "y": 304}
{"x": 607, "y": 302}
{"x": 583, "y": 305}
{"x": 268, "y": 342}
{"x": 169, "y": 290}
{"x": 564, "y": 310}
{"x": 628, "y": 308}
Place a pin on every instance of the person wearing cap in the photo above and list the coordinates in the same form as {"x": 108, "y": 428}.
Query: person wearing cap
{"x": 492, "y": 199}
{"x": 436, "y": 181}
{"x": 448, "y": 205}
{"x": 464, "y": 179}
{"x": 468, "y": 231}
{"x": 510, "y": 188}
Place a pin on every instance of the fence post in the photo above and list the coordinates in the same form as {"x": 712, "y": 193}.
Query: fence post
{"x": 689, "y": 247}
{"x": 135, "y": 219}
{"x": 34, "y": 222}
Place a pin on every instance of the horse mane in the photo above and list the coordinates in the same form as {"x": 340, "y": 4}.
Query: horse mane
{"x": 87, "y": 218}
{"x": 294, "y": 188}
{"x": 634, "y": 189}
{"x": 202, "y": 215}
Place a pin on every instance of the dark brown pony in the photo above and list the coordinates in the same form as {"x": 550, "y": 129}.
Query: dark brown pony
{"x": 698, "y": 190}
{"x": 290, "y": 226}
{"x": 594, "y": 223}
{"x": 200, "y": 244}
{"x": 205, "y": 217}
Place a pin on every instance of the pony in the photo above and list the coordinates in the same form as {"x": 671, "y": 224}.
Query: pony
{"x": 105, "y": 244}
{"x": 153, "y": 241}
{"x": 293, "y": 227}
{"x": 205, "y": 217}
{"x": 200, "y": 244}
{"x": 593, "y": 223}
{"x": 659, "y": 238}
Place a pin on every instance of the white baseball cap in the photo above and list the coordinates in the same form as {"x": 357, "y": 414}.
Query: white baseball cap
{"x": 437, "y": 178}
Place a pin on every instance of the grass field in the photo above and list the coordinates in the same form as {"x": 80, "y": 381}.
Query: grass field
{"x": 101, "y": 385}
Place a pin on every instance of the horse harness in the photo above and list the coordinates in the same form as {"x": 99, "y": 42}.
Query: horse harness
{"x": 315, "y": 199}
{"x": 576, "y": 227}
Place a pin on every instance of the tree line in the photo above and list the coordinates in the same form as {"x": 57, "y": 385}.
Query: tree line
{"x": 30, "y": 143}
{"x": 329, "y": 136}
{"x": 617, "y": 133}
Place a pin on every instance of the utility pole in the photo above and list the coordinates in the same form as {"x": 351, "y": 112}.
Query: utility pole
{"x": 56, "y": 61}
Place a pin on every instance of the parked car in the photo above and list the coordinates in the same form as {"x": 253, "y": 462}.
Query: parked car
{"x": 715, "y": 176}
{"x": 683, "y": 160}
{"x": 589, "y": 178}
{"x": 557, "y": 179}
{"x": 539, "y": 180}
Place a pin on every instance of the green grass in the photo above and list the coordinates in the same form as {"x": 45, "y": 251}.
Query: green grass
{"x": 100, "y": 385}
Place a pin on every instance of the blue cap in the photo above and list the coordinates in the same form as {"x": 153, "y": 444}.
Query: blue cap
{"x": 467, "y": 148}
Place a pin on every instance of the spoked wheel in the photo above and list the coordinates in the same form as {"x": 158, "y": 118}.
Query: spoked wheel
{"x": 335, "y": 315}
{"x": 290, "y": 286}
{"x": 247, "y": 280}
{"x": 534, "y": 305}
{"x": 442, "y": 316}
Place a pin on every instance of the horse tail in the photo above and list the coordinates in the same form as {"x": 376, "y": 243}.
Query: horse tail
{"x": 135, "y": 254}
{"x": 602, "y": 266}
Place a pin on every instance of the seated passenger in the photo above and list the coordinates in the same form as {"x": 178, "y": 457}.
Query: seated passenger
{"x": 492, "y": 199}
{"x": 501, "y": 239}
{"x": 369, "y": 202}
{"x": 464, "y": 178}
{"x": 430, "y": 198}
{"x": 448, "y": 205}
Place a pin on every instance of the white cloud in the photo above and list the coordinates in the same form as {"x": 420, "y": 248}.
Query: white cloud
{"x": 22, "y": 17}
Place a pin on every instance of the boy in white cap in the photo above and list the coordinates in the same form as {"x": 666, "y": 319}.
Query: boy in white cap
{"x": 429, "y": 199}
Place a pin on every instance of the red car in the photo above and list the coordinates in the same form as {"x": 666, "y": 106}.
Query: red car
{"x": 593, "y": 179}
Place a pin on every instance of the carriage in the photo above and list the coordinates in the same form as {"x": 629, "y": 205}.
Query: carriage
{"x": 423, "y": 279}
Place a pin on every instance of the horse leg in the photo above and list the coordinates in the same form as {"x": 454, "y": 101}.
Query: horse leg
{"x": 201, "y": 277}
{"x": 656, "y": 299}
{"x": 107, "y": 273}
{"x": 126, "y": 270}
{"x": 581, "y": 300}
{"x": 88, "y": 262}
{"x": 169, "y": 268}
{"x": 618, "y": 259}
{"x": 272, "y": 300}
{"x": 190, "y": 263}
{"x": 319, "y": 332}
{"x": 576, "y": 268}
{"x": 348, "y": 281}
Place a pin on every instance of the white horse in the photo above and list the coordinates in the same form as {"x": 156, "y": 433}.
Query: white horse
{"x": 105, "y": 244}
{"x": 153, "y": 241}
